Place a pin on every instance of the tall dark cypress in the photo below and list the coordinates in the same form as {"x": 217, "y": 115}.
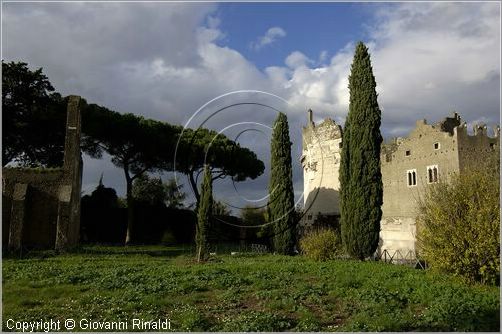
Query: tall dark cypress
{"x": 204, "y": 211}
{"x": 360, "y": 176}
{"x": 281, "y": 200}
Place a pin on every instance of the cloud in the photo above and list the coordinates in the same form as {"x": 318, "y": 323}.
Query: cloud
{"x": 271, "y": 36}
{"x": 165, "y": 60}
{"x": 424, "y": 66}
{"x": 323, "y": 56}
{"x": 297, "y": 59}
{"x": 444, "y": 57}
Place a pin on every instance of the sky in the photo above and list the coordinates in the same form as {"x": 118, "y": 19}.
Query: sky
{"x": 182, "y": 62}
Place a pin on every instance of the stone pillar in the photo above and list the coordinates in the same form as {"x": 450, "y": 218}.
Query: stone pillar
{"x": 63, "y": 235}
{"x": 72, "y": 140}
{"x": 18, "y": 216}
{"x": 311, "y": 118}
{"x": 68, "y": 220}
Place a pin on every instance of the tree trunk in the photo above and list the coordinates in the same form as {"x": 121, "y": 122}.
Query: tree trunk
{"x": 193, "y": 184}
{"x": 130, "y": 210}
{"x": 204, "y": 212}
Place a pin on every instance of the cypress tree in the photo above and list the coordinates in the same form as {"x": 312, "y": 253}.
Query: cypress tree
{"x": 281, "y": 196}
{"x": 204, "y": 211}
{"x": 360, "y": 176}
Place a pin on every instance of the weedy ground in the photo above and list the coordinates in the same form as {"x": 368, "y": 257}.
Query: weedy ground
{"x": 241, "y": 292}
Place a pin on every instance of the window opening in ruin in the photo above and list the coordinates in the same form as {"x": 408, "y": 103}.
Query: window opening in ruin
{"x": 408, "y": 153}
{"x": 412, "y": 177}
{"x": 432, "y": 174}
{"x": 436, "y": 146}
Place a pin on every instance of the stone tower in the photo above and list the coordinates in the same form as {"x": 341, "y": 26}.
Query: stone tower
{"x": 321, "y": 146}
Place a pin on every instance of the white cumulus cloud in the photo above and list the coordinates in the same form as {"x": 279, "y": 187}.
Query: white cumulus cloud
{"x": 162, "y": 60}
{"x": 271, "y": 36}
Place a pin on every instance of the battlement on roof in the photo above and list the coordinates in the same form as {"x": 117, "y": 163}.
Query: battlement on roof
{"x": 328, "y": 129}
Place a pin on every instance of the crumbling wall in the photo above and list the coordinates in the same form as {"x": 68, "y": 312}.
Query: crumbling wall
{"x": 321, "y": 164}
{"x": 426, "y": 146}
{"x": 41, "y": 206}
{"x": 479, "y": 148}
{"x": 446, "y": 145}
{"x": 32, "y": 199}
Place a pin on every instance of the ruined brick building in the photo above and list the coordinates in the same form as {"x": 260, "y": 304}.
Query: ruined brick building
{"x": 41, "y": 206}
{"x": 409, "y": 165}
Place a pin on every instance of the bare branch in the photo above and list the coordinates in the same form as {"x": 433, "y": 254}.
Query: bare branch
{"x": 219, "y": 176}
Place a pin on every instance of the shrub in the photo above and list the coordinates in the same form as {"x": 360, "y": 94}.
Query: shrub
{"x": 458, "y": 226}
{"x": 321, "y": 245}
{"x": 168, "y": 238}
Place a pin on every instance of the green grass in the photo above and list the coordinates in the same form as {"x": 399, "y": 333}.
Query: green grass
{"x": 241, "y": 293}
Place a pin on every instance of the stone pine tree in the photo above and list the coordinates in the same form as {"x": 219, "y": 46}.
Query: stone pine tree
{"x": 281, "y": 199}
{"x": 360, "y": 176}
{"x": 204, "y": 211}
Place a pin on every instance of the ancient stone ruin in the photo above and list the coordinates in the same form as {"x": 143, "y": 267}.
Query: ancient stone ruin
{"x": 41, "y": 206}
{"x": 409, "y": 165}
{"x": 430, "y": 153}
{"x": 321, "y": 163}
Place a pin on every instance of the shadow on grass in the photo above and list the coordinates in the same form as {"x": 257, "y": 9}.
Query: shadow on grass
{"x": 150, "y": 250}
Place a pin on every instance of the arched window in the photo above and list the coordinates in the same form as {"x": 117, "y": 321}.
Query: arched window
{"x": 411, "y": 177}
{"x": 432, "y": 174}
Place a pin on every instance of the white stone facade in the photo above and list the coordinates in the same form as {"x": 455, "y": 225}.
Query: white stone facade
{"x": 321, "y": 163}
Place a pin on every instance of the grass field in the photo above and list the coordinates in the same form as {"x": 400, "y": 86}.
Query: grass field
{"x": 241, "y": 293}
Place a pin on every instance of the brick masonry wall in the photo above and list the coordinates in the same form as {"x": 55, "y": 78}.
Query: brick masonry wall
{"x": 41, "y": 207}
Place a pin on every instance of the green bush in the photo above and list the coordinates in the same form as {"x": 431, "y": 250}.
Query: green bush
{"x": 168, "y": 238}
{"x": 321, "y": 245}
{"x": 458, "y": 226}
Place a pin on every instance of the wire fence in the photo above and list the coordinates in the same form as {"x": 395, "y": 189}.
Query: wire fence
{"x": 239, "y": 247}
{"x": 409, "y": 258}
{"x": 400, "y": 257}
